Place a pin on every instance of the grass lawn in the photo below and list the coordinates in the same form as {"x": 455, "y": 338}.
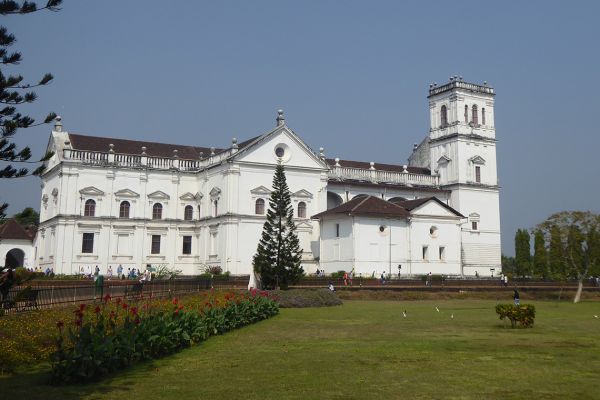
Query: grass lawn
{"x": 367, "y": 350}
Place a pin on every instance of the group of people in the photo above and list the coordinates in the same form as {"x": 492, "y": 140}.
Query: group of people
{"x": 131, "y": 274}
{"x": 504, "y": 280}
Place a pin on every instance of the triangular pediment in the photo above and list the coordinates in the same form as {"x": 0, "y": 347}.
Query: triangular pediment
{"x": 191, "y": 197}
{"x": 303, "y": 193}
{"x": 126, "y": 193}
{"x": 261, "y": 190}
{"x": 477, "y": 160}
{"x": 91, "y": 191}
{"x": 444, "y": 159}
{"x": 304, "y": 224}
{"x": 264, "y": 150}
{"x": 432, "y": 208}
{"x": 159, "y": 195}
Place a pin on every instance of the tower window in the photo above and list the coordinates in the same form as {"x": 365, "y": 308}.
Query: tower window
{"x": 216, "y": 208}
{"x": 157, "y": 211}
{"x": 124, "y": 209}
{"x": 482, "y": 116}
{"x": 474, "y": 115}
{"x": 87, "y": 244}
{"x": 425, "y": 253}
{"x": 259, "y": 207}
{"x": 466, "y": 114}
{"x": 337, "y": 230}
{"x": 478, "y": 174}
{"x": 444, "y": 116}
{"x": 155, "y": 249}
{"x": 188, "y": 213}
{"x": 302, "y": 210}
{"x": 187, "y": 245}
{"x": 474, "y": 225}
{"x": 90, "y": 208}
{"x": 442, "y": 253}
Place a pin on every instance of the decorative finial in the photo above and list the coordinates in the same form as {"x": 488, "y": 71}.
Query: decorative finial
{"x": 404, "y": 169}
{"x": 58, "y": 123}
{"x": 234, "y": 144}
{"x": 175, "y": 153}
{"x": 337, "y": 162}
{"x": 484, "y": 83}
{"x": 200, "y": 155}
{"x": 143, "y": 150}
{"x": 321, "y": 152}
{"x": 212, "y": 151}
{"x": 415, "y": 146}
{"x": 372, "y": 165}
{"x": 280, "y": 118}
{"x": 111, "y": 148}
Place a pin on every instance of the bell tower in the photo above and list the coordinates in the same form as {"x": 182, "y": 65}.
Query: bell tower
{"x": 462, "y": 150}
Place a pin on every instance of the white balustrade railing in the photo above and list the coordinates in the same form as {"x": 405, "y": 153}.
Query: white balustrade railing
{"x": 128, "y": 160}
{"x": 375, "y": 175}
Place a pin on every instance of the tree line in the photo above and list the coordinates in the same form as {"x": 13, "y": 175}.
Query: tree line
{"x": 566, "y": 246}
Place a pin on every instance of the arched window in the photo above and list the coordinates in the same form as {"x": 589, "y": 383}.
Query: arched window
{"x": 124, "y": 209}
{"x": 474, "y": 115}
{"x": 302, "y": 210}
{"x": 482, "y": 116}
{"x": 157, "y": 211}
{"x": 90, "y": 208}
{"x": 188, "y": 213}
{"x": 259, "y": 207}
{"x": 444, "y": 116}
{"x": 466, "y": 114}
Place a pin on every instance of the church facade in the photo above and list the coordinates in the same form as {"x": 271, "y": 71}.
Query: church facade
{"x": 109, "y": 201}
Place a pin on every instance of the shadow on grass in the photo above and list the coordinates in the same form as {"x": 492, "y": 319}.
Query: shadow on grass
{"x": 34, "y": 383}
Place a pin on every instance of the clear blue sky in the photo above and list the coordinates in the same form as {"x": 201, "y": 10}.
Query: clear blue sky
{"x": 351, "y": 76}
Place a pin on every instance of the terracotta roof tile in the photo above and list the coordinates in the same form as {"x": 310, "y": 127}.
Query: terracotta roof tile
{"x": 368, "y": 206}
{"x": 11, "y": 229}
{"x": 412, "y": 204}
{"x": 378, "y": 166}
{"x": 126, "y": 146}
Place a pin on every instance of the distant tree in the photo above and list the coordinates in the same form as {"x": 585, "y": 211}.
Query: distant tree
{"x": 540, "y": 255}
{"x": 277, "y": 259}
{"x": 522, "y": 253}
{"x": 556, "y": 256}
{"x": 28, "y": 217}
{"x": 579, "y": 241}
{"x": 14, "y": 92}
{"x": 508, "y": 265}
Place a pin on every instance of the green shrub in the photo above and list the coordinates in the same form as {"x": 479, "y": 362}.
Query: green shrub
{"x": 299, "y": 298}
{"x": 434, "y": 278}
{"x": 522, "y": 315}
{"x": 338, "y": 275}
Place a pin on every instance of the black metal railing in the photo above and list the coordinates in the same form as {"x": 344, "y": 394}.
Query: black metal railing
{"x": 48, "y": 294}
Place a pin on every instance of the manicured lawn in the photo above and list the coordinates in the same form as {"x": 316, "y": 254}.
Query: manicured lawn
{"x": 367, "y": 349}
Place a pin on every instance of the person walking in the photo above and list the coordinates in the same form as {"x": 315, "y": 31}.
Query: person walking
{"x": 383, "y": 278}
{"x": 516, "y": 297}
{"x": 120, "y": 271}
{"x": 345, "y": 278}
{"x": 109, "y": 272}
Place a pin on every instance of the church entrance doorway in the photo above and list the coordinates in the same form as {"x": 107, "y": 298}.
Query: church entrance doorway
{"x": 14, "y": 258}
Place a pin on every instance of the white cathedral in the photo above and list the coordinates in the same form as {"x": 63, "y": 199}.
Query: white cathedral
{"x": 108, "y": 201}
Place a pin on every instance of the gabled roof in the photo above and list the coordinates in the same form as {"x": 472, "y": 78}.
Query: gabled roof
{"x": 367, "y": 206}
{"x": 153, "y": 149}
{"x": 11, "y": 229}
{"x": 413, "y": 204}
{"x": 378, "y": 166}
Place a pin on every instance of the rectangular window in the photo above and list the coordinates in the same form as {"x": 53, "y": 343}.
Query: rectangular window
{"x": 155, "y": 244}
{"x": 337, "y": 230}
{"x": 425, "y": 251}
{"x": 474, "y": 225}
{"x": 123, "y": 246}
{"x": 478, "y": 174}
{"x": 442, "y": 253}
{"x": 187, "y": 245}
{"x": 87, "y": 244}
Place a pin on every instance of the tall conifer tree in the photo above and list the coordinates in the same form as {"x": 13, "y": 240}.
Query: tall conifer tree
{"x": 14, "y": 91}
{"x": 556, "y": 264}
{"x": 277, "y": 259}
{"x": 540, "y": 255}
{"x": 523, "y": 252}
